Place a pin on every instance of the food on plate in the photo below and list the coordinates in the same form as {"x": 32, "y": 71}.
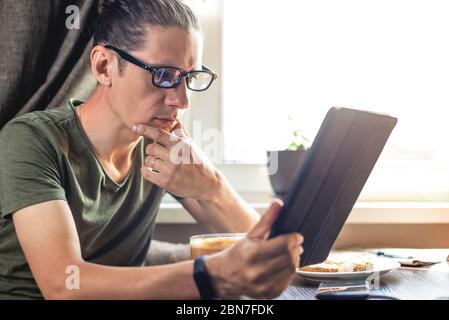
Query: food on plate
{"x": 357, "y": 264}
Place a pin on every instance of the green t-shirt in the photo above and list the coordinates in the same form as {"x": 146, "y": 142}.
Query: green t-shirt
{"x": 44, "y": 156}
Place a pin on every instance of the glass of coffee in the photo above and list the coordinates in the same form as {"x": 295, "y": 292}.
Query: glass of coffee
{"x": 204, "y": 244}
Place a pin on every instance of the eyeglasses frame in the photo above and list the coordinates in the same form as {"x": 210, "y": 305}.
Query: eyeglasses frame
{"x": 153, "y": 69}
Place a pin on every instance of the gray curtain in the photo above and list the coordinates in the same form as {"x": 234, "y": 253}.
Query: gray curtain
{"x": 42, "y": 62}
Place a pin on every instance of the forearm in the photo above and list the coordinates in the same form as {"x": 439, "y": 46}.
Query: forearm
{"x": 227, "y": 211}
{"x": 173, "y": 281}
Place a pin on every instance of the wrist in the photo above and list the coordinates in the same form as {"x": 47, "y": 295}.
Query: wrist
{"x": 215, "y": 189}
{"x": 202, "y": 279}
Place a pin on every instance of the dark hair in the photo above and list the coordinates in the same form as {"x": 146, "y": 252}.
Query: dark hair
{"x": 124, "y": 23}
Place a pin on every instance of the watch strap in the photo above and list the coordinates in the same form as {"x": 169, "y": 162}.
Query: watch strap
{"x": 202, "y": 279}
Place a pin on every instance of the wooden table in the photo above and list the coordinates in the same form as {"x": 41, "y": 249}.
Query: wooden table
{"x": 404, "y": 283}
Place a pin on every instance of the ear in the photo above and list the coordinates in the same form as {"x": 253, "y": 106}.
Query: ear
{"x": 103, "y": 63}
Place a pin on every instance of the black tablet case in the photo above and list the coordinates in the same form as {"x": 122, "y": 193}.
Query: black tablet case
{"x": 331, "y": 178}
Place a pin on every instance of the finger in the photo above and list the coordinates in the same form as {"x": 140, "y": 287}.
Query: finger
{"x": 180, "y": 130}
{"x": 156, "y": 150}
{"x": 156, "y": 134}
{"x": 279, "y": 246}
{"x": 261, "y": 230}
{"x": 152, "y": 176}
{"x": 156, "y": 164}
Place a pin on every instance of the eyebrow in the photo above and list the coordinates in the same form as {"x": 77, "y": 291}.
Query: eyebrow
{"x": 167, "y": 65}
{"x": 174, "y": 66}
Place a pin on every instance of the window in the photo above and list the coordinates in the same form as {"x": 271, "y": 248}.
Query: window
{"x": 299, "y": 58}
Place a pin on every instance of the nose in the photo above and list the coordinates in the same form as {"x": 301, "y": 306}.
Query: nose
{"x": 178, "y": 97}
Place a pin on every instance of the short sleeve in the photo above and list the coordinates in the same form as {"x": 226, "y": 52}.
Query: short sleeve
{"x": 29, "y": 171}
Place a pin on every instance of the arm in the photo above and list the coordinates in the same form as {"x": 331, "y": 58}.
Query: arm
{"x": 255, "y": 266}
{"x": 181, "y": 168}
{"x": 48, "y": 237}
{"x": 224, "y": 212}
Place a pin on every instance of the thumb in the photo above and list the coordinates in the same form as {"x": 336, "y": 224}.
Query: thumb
{"x": 180, "y": 130}
{"x": 263, "y": 228}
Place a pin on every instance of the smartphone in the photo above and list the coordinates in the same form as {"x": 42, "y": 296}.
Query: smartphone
{"x": 354, "y": 289}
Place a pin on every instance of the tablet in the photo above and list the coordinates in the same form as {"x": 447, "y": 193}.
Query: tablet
{"x": 331, "y": 178}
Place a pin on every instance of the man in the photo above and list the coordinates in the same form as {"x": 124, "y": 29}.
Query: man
{"x": 80, "y": 185}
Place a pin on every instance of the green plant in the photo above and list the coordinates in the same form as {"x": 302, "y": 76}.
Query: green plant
{"x": 299, "y": 141}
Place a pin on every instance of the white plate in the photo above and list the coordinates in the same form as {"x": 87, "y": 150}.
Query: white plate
{"x": 380, "y": 268}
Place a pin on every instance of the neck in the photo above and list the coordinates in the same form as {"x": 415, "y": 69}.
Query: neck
{"x": 112, "y": 142}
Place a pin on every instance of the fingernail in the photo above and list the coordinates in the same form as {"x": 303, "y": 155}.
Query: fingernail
{"x": 135, "y": 128}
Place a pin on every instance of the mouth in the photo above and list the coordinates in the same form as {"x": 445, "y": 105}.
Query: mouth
{"x": 165, "y": 122}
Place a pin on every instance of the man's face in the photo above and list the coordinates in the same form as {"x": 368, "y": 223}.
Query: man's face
{"x": 133, "y": 97}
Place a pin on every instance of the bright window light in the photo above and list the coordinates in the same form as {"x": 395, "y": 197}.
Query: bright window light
{"x": 299, "y": 58}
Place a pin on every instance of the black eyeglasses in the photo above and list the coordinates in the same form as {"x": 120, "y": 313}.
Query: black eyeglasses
{"x": 167, "y": 77}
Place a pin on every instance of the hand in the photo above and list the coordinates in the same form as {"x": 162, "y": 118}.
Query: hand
{"x": 174, "y": 163}
{"x": 255, "y": 266}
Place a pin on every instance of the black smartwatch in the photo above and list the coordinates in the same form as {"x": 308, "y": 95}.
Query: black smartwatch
{"x": 202, "y": 279}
